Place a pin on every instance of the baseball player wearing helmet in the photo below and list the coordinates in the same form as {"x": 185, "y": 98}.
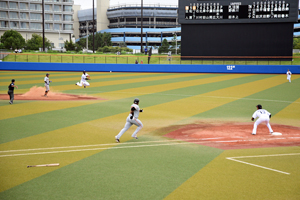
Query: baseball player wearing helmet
{"x": 83, "y": 81}
{"x": 263, "y": 116}
{"x": 47, "y": 82}
{"x": 289, "y": 75}
{"x": 132, "y": 119}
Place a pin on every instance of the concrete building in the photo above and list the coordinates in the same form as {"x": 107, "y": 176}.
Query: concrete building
{"x": 25, "y": 16}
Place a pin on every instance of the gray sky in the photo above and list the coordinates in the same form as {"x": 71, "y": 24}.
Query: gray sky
{"x": 89, "y": 3}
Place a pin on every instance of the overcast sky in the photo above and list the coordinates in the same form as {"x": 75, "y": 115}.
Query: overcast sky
{"x": 89, "y": 3}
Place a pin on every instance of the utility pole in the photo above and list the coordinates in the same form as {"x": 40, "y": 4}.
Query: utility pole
{"x": 141, "y": 26}
{"x": 93, "y": 26}
{"x": 43, "y": 17}
{"x": 87, "y": 35}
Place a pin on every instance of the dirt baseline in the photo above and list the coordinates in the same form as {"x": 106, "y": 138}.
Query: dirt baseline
{"x": 37, "y": 93}
{"x": 236, "y": 135}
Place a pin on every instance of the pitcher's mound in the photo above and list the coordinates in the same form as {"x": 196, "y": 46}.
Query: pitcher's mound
{"x": 37, "y": 93}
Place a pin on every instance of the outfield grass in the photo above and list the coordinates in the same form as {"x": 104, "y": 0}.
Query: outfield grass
{"x": 130, "y": 59}
{"x": 80, "y": 136}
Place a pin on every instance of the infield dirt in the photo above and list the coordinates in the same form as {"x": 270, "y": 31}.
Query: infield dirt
{"x": 37, "y": 93}
{"x": 236, "y": 135}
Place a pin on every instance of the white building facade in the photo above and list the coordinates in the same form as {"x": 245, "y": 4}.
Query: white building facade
{"x": 25, "y": 16}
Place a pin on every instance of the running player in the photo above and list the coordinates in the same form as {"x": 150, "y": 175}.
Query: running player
{"x": 263, "y": 116}
{"x": 83, "y": 81}
{"x": 289, "y": 75}
{"x": 132, "y": 119}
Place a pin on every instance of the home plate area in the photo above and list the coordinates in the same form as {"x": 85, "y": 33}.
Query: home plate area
{"x": 236, "y": 135}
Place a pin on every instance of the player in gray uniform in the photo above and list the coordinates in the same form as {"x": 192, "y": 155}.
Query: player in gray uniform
{"x": 263, "y": 116}
{"x": 47, "y": 82}
{"x": 132, "y": 119}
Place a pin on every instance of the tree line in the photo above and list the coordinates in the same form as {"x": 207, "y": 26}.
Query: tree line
{"x": 12, "y": 39}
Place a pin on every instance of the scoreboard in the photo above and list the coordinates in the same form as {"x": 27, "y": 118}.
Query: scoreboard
{"x": 244, "y": 11}
{"x": 251, "y": 29}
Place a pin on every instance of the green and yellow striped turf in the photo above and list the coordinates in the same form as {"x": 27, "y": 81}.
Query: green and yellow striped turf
{"x": 80, "y": 136}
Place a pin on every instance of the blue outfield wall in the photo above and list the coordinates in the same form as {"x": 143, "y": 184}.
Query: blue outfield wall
{"x": 168, "y": 68}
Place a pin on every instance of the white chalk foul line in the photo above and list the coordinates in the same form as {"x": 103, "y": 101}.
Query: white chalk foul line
{"x": 259, "y": 156}
{"x": 94, "y": 149}
{"x": 109, "y": 144}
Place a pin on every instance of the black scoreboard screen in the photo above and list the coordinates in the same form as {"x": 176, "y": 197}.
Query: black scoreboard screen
{"x": 244, "y": 11}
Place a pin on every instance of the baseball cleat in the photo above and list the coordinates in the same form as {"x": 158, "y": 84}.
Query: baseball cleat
{"x": 253, "y": 133}
{"x": 271, "y": 133}
{"x": 10, "y": 102}
{"x": 136, "y": 137}
{"x": 117, "y": 140}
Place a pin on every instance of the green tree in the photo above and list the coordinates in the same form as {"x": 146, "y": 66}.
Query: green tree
{"x": 296, "y": 43}
{"x": 70, "y": 46}
{"x": 164, "y": 48}
{"x": 12, "y": 39}
{"x": 36, "y": 42}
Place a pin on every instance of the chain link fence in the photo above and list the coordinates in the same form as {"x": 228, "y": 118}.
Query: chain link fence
{"x": 144, "y": 59}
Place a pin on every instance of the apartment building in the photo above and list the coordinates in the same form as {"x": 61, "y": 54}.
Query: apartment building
{"x": 25, "y": 16}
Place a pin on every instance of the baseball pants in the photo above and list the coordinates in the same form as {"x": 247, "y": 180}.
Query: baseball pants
{"x": 11, "y": 95}
{"x": 128, "y": 124}
{"x": 262, "y": 119}
{"x": 84, "y": 83}
{"x": 47, "y": 87}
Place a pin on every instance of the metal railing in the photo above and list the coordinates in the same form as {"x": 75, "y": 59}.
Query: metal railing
{"x": 155, "y": 59}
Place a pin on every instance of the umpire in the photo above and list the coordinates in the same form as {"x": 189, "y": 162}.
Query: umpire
{"x": 10, "y": 92}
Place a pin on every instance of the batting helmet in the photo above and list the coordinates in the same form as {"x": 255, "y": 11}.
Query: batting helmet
{"x": 47, "y": 74}
{"x": 259, "y": 106}
{"x": 136, "y": 100}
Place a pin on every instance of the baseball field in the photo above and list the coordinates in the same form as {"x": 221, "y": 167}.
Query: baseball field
{"x": 195, "y": 143}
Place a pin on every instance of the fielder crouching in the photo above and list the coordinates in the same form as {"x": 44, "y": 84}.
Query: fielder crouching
{"x": 263, "y": 116}
{"x": 132, "y": 119}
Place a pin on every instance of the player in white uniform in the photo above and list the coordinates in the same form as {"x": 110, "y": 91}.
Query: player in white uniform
{"x": 263, "y": 116}
{"x": 83, "y": 81}
{"x": 132, "y": 119}
{"x": 289, "y": 75}
{"x": 47, "y": 82}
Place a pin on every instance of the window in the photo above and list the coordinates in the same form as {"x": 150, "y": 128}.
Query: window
{"x": 13, "y": 24}
{"x": 24, "y": 25}
{"x": 47, "y": 26}
{"x": 61, "y": 45}
{"x": 48, "y": 8}
{"x": 57, "y": 18}
{"x": 23, "y": 6}
{"x": 57, "y": 8}
{"x": 13, "y": 5}
{"x": 35, "y": 6}
{"x": 56, "y": 27}
{"x": 68, "y": 26}
{"x": 23, "y": 16}
{"x": 3, "y": 5}
{"x": 3, "y": 14}
{"x": 67, "y": 17}
{"x": 48, "y": 17}
{"x": 3, "y": 24}
{"x": 67, "y": 8}
{"x": 13, "y": 15}
{"x": 35, "y": 16}
{"x": 36, "y": 26}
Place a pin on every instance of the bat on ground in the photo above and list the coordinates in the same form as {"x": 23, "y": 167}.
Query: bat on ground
{"x": 45, "y": 165}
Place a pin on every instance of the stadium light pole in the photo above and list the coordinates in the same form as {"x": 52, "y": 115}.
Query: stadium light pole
{"x": 141, "y": 26}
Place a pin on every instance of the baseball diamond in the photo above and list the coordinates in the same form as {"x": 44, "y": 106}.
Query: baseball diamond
{"x": 196, "y": 138}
